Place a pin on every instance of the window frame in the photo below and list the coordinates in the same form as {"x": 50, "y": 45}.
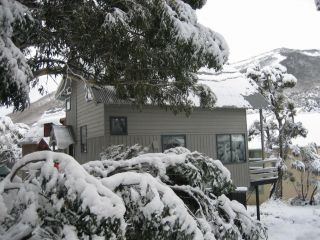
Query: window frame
{"x": 230, "y": 137}
{"x": 173, "y": 135}
{"x": 115, "y": 133}
{"x": 66, "y": 102}
{"x": 83, "y": 144}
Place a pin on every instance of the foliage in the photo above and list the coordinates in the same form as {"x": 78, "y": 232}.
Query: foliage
{"x": 309, "y": 168}
{"x": 119, "y": 152}
{"x": 122, "y": 199}
{"x": 148, "y": 50}
{"x": 280, "y": 128}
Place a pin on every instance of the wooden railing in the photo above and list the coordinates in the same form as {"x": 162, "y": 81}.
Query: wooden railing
{"x": 263, "y": 171}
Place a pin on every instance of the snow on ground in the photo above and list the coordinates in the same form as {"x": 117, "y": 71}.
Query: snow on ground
{"x": 289, "y": 222}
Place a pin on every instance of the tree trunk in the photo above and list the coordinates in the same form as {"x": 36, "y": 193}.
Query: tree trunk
{"x": 278, "y": 185}
{"x": 312, "y": 195}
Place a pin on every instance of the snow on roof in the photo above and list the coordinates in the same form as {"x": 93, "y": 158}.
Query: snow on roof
{"x": 36, "y": 132}
{"x": 33, "y": 136}
{"x": 62, "y": 136}
{"x": 232, "y": 89}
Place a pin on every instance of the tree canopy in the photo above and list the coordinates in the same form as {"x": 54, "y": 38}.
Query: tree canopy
{"x": 272, "y": 82}
{"x": 280, "y": 128}
{"x": 149, "y": 51}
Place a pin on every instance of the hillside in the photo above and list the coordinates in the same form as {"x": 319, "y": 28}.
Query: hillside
{"x": 32, "y": 114}
{"x": 303, "y": 64}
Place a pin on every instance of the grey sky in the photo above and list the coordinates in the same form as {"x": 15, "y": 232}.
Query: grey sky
{"x": 251, "y": 27}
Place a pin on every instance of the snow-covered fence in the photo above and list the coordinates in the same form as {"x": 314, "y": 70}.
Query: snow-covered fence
{"x": 263, "y": 170}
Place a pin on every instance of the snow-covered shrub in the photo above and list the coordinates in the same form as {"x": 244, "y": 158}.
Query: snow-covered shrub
{"x": 57, "y": 193}
{"x": 309, "y": 168}
{"x": 150, "y": 183}
{"x": 138, "y": 198}
{"x": 10, "y": 135}
{"x": 118, "y": 152}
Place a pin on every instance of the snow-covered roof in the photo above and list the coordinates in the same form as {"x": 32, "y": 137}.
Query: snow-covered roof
{"x": 232, "y": 89}
{"x": 33, "y": 136}
{"x": 61, "y": 136}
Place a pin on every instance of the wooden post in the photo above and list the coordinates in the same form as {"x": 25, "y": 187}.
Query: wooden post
{"x": 262, "y": 134}
{"x": 257, "y": 202}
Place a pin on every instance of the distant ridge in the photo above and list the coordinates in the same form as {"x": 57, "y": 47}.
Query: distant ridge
{"x": 303, "y": 64}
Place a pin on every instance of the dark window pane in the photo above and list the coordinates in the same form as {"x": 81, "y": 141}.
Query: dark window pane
{"x": 224, "y": 148}
{"x": 118, "y": 125}
{"x": 238, "y": 148}
{"x": 172, "y": 141}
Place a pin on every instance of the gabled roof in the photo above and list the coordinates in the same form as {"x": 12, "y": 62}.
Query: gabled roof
{"x": 232, "y": 89}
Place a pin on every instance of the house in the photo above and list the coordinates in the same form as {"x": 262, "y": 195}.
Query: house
{"x": 48, "y": 133}
{"x": 34, "y": 140}
{"x": 99, "y": 119}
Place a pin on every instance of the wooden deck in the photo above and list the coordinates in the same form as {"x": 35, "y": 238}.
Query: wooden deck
{"x": 263, "y": 171}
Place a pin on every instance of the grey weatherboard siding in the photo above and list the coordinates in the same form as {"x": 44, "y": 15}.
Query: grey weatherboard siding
{"x": 146, "y": 127}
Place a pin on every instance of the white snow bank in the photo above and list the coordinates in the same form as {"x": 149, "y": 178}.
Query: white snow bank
{"x": 290, "y": 222}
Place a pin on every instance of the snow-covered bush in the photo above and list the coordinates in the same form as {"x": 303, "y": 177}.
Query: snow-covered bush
{"x": 309, "y": 168}
{"x": 10, "y": 135}
{"x": 146, "y": 181}
{"x": 171, "y": 195}
{"x": 56, "y": 197}
{"x": 118, "y": 152}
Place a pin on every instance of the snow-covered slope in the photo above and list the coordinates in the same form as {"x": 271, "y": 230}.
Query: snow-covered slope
{"x": 303, "y": 64}
{"x": 36, "y": 110}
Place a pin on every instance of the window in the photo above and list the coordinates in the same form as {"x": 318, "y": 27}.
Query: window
{"x": 68, "y": 104}
{"x": 172, "y": 141}
{"x": 231, "y": 148}
{"x": 118, "y": 126}
{"x": 83, "y": 138}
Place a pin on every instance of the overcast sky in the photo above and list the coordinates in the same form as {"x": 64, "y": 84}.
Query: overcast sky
{"x": 251, "y": 27}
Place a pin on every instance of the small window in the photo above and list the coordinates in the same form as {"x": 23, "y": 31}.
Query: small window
{"x": 172, "y": 141}
{"x": 231, "y": 148}
{"x": 68, "y": 104}
{"x": 83, "y": 138}
{"x": 118, "y": 126}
